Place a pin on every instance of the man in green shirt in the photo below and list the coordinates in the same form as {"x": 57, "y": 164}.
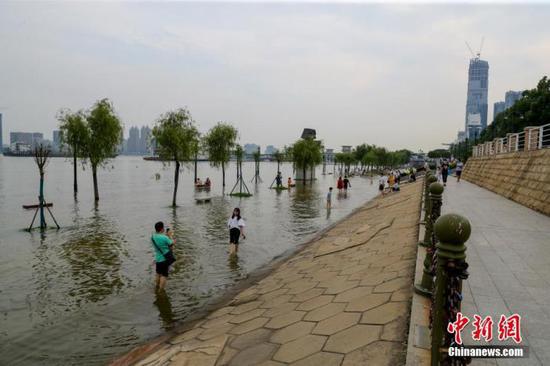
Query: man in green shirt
{"x": 162, "y": 245}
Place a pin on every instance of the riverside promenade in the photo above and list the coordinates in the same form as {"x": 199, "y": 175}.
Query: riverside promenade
{"x": 509, "y": 257}
{"x": 344, "y": 299}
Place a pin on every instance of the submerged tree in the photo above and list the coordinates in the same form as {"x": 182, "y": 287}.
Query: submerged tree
{"x": 218, "y": 143}
{"x": 257, "y": 158}
{"x": 177, "y": 140}
{"x": 41, "y": 158}
{"x": 104, "y": 136}
{"x": 306, "y": 154}
{"x": 74, "y": 134}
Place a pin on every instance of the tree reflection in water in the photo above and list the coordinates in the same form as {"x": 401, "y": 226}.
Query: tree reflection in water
{"x": 93, "y": 252}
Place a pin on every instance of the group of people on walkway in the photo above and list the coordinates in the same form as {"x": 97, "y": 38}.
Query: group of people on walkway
{"x": 444, "y": 169}
{"x": 393, "y": 179}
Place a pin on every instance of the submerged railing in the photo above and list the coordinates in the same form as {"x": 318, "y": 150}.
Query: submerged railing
{"x": 531, "y": 138}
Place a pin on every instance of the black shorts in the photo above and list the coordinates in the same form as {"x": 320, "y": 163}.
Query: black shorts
{"x": 162, "y": 268}
{"x": 458, "y": 172}
{"x": 234, "y": 234}
{"x": 381, "y": 187}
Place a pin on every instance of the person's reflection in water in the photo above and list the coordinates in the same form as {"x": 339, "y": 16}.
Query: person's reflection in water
{"x": 162, "y": 302}
{"x": 328, "y": 213}
{"x": 233, "y": 262}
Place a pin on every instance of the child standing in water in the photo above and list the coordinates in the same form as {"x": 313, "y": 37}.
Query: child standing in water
{"x": 329, "y": 198}
{"x": 236, "y": 229}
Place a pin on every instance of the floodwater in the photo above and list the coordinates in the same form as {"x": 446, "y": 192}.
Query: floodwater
{"x": 85, "y": 293}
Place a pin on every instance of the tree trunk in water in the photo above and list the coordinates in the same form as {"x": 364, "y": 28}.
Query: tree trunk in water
{"x": 41, "y": 199}
{"x": 195, "y": 181}
{"x": 176, "y": 180}
{"x": 304, "y": 171}
{"x": 223, "y": 174}
{"x": 96, "y": 190}
{"x": 75, "y": 184}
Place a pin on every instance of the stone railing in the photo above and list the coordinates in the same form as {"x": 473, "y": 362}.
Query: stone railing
{"x": 445, "y": 268}
{"x": 531, "y": 138}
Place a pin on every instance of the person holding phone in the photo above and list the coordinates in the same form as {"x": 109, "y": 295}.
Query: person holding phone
{"x": 236, "y": 229}
{"x": 163, "y": 243}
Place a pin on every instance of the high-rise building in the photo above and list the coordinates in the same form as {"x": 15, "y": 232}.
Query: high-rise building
{"x": 1, "y": 136}
{"x": 498, "y": 107}
{"x": 511, "y": 97}
{"x": 144, "y": 140}
{"x": 250, "y": 149}
{"x": 478, "y": 85}
{"x": 56, "y": 140}
{"x": 133, "y": 141}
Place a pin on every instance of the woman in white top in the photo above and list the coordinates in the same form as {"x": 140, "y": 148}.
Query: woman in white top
{"x": 236, "y": 229}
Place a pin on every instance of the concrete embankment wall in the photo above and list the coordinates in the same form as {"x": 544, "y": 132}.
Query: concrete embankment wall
{"x": 523, "y": 176}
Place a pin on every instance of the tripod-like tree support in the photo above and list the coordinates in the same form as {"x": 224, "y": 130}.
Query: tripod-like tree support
{"x": 240, "y": 181}
{"x": 41, "y": 158}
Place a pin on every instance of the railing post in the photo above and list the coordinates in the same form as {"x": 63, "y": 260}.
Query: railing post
{"x": 541, "y": 132}
{"x": 452, "y": 231}
{"x": 425, "y": 286}
{"x": 427, "y": 210}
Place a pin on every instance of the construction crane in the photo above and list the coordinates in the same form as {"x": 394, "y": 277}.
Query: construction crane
{"x": 478, "y": 54}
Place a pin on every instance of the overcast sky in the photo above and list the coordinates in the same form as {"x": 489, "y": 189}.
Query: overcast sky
{"x": 393, "y": 75}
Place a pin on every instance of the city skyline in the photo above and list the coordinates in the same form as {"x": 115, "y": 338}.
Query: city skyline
{"x": 347, "y": 70}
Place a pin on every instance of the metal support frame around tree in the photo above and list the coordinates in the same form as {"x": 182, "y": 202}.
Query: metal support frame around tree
{"x": 240, "y": 182}
{"x": 41, "y": 158}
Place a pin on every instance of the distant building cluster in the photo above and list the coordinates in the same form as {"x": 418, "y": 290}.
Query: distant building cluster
{"x": 510, "y": 98}
{"x": 250, "y": 149}
{"x": 139, "y": 142}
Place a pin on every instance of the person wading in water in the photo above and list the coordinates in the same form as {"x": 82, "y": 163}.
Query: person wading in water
{"x": 236, "y": 229}
{"x": 163, "y": 243}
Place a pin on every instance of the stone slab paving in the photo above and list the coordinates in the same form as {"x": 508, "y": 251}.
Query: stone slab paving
{"x": 509, "y": 257}
{"x": 343, "y": 300}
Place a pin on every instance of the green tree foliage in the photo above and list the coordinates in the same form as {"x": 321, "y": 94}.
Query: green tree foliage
{"x": 218, "y": 143}
{"x": 306, "y": 154}
{"x": 177, "y": 140}
{"x": 439, "y": 153}
{"x": 104, "y": 136}
{"x": 360, "y": 152}
{"x": 346, "y": 159}
{"x": 74, "y": 135}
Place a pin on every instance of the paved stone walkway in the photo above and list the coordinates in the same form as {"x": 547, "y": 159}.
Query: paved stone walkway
{"x": 343, "y": 300}
{"x": 509, "y": 258}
